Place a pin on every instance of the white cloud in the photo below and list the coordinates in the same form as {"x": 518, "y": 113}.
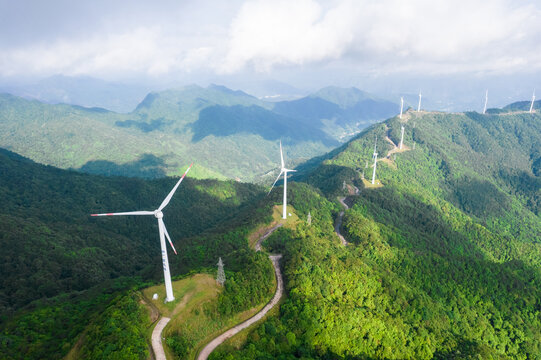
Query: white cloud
{"x": 464, "y": 35}
{"x": 438, "y": 36}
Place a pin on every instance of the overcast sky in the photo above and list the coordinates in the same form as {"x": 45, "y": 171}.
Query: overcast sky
{"x": 308, "y": 43}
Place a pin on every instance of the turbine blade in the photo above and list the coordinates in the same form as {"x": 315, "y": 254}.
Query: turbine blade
{"x": 274, "y": 183}
{"x": 170, "y": 195}
{"x": 162, "y": 224}
{"x": 281, "y": 155}
{"x": 126, "y": 213}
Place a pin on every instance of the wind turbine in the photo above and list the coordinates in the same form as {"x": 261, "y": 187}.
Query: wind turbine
{"x": 533, "y": 99}
{"x": 419, "y": 105}
{"x": 163, "y": 233}
{"x": 402, "y": 137}
{"x": 486, "y": 102}
{"x": 401, "y": 106}
{"x": 375, "y": 156}
{"x": 284, "y": 171}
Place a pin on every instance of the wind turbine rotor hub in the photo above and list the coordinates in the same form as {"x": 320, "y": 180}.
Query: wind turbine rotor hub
{"x": 158, "y": 214}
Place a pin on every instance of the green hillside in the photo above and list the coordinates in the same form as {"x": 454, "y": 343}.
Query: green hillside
{"x": 443, "y": 260}
{"x": 442, "y": 263}
{"x": 60, "y": 268}
{"x": 172, "y": 128}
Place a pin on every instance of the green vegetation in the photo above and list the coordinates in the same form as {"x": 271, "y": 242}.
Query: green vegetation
{"x": 56, "y": 260}
{"x": 171, "y": 129}
{"x": 444, "y": 260}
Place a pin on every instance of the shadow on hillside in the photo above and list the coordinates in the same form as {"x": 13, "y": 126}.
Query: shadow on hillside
{"x": 147, "y": 166}
{"x": 479, "y": 198}
{"x": 222, "y": 121}
{"x": 443, "y": 255}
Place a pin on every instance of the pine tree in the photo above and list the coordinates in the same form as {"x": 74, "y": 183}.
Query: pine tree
{"x": 220, "y": 278}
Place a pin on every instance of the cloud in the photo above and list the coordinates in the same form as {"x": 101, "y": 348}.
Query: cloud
{"x": 445, "y": 35}
{"x": 364, "y": 36}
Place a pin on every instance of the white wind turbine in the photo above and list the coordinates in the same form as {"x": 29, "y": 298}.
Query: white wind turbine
{"x": 486, "y": 102}
{"x": 533, "y": 100}
{"x": 419, "y": 105}
{"x": 401, "y": 136}
{"x": 401, "y": 106}
{"x": 163, "y": 233}
{"x": 284, "y": 171}
{"x": 375, "y": 156}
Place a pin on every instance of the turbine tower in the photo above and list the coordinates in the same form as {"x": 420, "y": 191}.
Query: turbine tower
{"x": 375, "y": 156}
{"x": 402, "y": 137}
{"x": 401, "y": 106}
{"x": 486, "y": 102}
{"x": 163, "y": 233}
{"x": 419, "y": 105}
{"x": 284, "y": 171}
{"x": 533, "y": 99}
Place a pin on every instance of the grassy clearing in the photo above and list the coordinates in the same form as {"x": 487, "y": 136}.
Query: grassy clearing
{"x": 291, "y": 221}
{"x": 193, "y": 312}
{"x": 368, "y": 184}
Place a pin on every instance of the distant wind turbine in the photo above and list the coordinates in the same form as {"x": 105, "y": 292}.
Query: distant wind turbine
{"x": 163, "y": 231}
{"x": 375, "y": 156}
{"x": 419, "y": 105}
{"x": 486, "y": 102}
{"x": 401, "y": 106}
{"x": 402, "y": 137}
{"x": 533, "y": 99}
{"x": 284, "y": 171}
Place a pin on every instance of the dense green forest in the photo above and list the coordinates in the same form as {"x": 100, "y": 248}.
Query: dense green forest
{"x": 443, "y": 261}
{"x": 60, "y": 267}
{"x": 172, "y": 128}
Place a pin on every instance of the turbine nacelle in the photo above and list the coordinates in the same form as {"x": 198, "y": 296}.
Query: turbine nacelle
{"x": 158, "y": 214}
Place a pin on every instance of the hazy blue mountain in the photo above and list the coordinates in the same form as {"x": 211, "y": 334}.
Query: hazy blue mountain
{"x": 83, "y": 91}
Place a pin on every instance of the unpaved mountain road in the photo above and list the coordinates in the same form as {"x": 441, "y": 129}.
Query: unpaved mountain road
{"x": 339, "y": 221}
{"x": 209, "y": 348}
{"x": 157, "y": 346}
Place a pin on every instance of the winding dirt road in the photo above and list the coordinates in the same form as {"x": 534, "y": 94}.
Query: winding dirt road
{"x": 157, "y": 346}
{"x": 203, "y": 355}
{"x": 267, "y": 234}
{"x": 339, "y": 221}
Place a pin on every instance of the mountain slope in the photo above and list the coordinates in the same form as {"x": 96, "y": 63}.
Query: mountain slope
{"x": 61, "y": 269}
{"x": 443, "y": 260}
{"x": 172, "y": 128}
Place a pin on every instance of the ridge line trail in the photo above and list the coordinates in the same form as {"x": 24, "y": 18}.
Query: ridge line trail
{"x": 217, "y": 341}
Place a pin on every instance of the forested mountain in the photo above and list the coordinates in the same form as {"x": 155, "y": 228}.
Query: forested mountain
{"x": 172, "y": 128}
{"x": 59, "y": 267}
{"x": 443, "y": 260}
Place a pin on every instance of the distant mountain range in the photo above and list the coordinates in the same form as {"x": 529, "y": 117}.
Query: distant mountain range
{"x": 229, "y": 134}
